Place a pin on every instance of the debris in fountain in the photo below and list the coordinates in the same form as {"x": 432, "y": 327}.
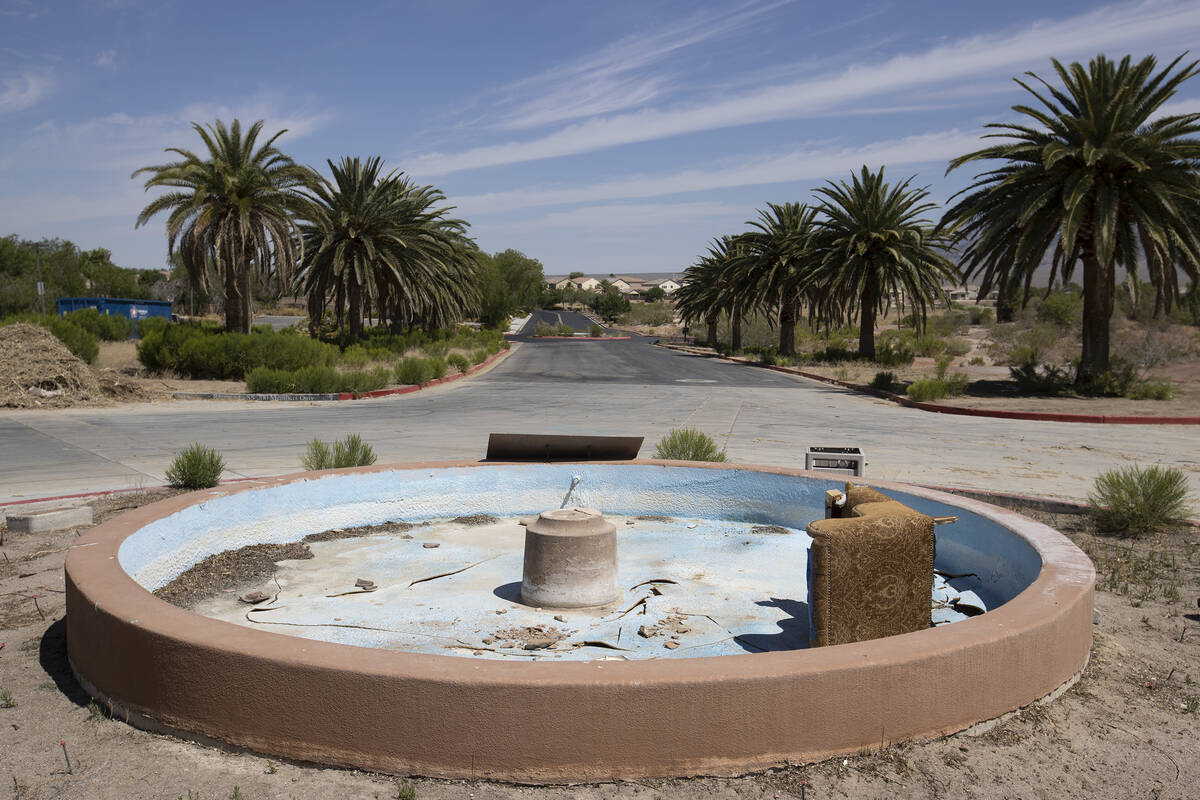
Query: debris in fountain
{"x": 476, "y": 519}
{"x": 769, "y": 529}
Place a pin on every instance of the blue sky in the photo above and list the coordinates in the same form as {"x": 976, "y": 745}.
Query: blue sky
{"x": 602, "y": 137}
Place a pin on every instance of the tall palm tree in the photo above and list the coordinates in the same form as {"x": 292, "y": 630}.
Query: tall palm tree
{"x": 1092, "y": 175}
{"x": 375, "y": 242}
{"x": 699, "y": 297}
{"x": 778, "y": 264}
{"x": 233, "y": 210}
{"x": 873, "y": 243}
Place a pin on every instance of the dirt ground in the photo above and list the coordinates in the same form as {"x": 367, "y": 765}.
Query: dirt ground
{"x": 1129, "y": 728}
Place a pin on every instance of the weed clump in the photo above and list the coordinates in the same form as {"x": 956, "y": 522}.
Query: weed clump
{"x": 195, "y": 467}
{"x": 1134, "y": 501}
{"x": 349, "y": 452}
{"x": 688, "y": 444}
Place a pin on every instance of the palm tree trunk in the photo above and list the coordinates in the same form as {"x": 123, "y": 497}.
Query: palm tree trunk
{"x": 245, "y": 296}
{"x": 1097, "y": 312}
{"x": 711, "y": 322}
{"x": 735, "y": 330}
{"x": 233, "y": 305}
{"x": 866, "y": 325}
{"x": 788, "y": 311}
{"x": 356, "y": 311}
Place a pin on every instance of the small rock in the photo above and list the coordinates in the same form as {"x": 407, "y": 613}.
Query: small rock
{"x": 363, "y": 583}
{"x": 1095, "y": 617}
{"x": 488, "y": 639}
{"x": 431, "y": 545}
{"x": 560, "y": 617}
{"x": 502, "y": 611}
{"x": 477, "y": 653}
{"x": 538, "y": 644}
{"x": 254, "y": 597}
{"x": 683, "y": 630}
{"x": 645, "y": 632}
{"x": 628, "y": 522}
{"x": 671, "y": 645}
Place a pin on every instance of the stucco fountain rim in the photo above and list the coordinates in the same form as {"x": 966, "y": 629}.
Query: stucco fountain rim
{"x": 92, "y": 565}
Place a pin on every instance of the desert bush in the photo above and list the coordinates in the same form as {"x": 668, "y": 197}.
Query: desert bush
{"x": 595, "y": 330}
{"x": 929, "y": 344}
{"x": 310, "y": 380}
{"x": 202, "y": 352}
{"x": 884, "y": 380}
{"x": 107, "y": 327}
{"x": 264, "y": 380}
{"x": 1034, "y": 378}
{"x": 648, "y": 314}
{"x": 76, "y": 339}
{"x": 1064, "y": 309}
{"x": 356, "y": 356}
{"x": 458, "y": 361}
{"x": 977, "y": 361}
{"x": 349, "y": 452}
{"x": 926, "y": 389}
{"x": 979, "y": 315}
{"x": 414, "y": 371}
{"x": 195, "y": 467}
{"x": 894, "y": 350}
{"x": 688, "y": 444}
{"x": 957, "y": 346}
{"x": 363, "y": 381}
{"x": 479, "y": 356}
{"x": 437, "y": 367}
{"x": 1134, "y": 501}
{"x": 1154, "y": 389}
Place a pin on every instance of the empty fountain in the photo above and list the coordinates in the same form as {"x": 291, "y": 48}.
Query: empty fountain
{"x": 402, "y": 678}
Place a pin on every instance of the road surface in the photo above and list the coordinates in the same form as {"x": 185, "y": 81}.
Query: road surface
{"x": 579, "y": 387}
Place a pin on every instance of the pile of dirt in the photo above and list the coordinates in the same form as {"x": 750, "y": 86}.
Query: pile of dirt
{"x": 40, "y": 372}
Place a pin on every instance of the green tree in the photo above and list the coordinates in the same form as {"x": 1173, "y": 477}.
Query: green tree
{"x": 609, "y": 304}
{"x": 654, "y": 294}
{"x": 1093, "y": 175}
{"x": 778, "y": 266}
{"x": 376, "y": 242}
{"x": 234, "y": 209}
{"x": 874, "y": 244}
{"x": 523, "y": 278}
{"x": 710, "y": 288}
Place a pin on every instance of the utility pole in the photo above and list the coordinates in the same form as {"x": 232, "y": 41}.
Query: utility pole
{"x": 41, "y": 285}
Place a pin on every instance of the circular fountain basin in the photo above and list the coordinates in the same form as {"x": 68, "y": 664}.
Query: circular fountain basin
{"x": 401, "y": 679}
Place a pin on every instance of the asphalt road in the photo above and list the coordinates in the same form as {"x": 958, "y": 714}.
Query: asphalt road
{"x": 573, "y": 318}
{"x": 622, "y": 388}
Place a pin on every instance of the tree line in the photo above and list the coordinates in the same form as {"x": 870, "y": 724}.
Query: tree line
{"x": 362, "y": 244}
{"x": 1091, "y": 177}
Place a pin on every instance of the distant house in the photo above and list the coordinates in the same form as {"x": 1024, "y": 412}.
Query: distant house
{"x": 587, "y": 283}
{"x": 557, "y": 282}
{"x": 668, "y": 285}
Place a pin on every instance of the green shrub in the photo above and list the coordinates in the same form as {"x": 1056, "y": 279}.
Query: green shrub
{"x": 76, "y": 339}
{"x": 927, "y": 389}
{"x": 884, "y": 380}
{"x": 458, "y": 361}
{"x": 1134, "y": 501}
{"x": 437, "y": 367}
{"x": 195, "y": 467}
{"x": 204, "y": 352}
{"x": 929, "y": 344}
{"x": 596, "y": 330}
{"x": 349, "y": 452}
{"x": 414, "y": 371}
{"x": 688, "y": 444}
{"x": 1157, "y": 389}
{"x": 1064, "y": 309}
{"x": 479, "y": 356}
{"x": 151, "y": 324}
{"x": 957, "y": 346}
{"x": 108, "y": 327}
{"x": 956, "y": 384}
{"x": 981, "y": 316}
{"x": 1043, "y": 379}
{"x": 894, "y": 350}
{"x": 264, "y": 380}
{"x": 356, "y": 356}
{"x": 977, "y": 361}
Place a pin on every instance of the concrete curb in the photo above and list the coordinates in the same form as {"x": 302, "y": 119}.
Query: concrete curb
{"x": 585, "y": 338}
{"x": 340, "y": 395}
{"x": 938, "y": 408}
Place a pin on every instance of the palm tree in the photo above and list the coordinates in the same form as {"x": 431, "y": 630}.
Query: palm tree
{"x": 699, "y": 296}
{"x": 778, "y": 266}
{"x": 233, "y": 211}
{"x": 1090, "y": 176}
{"x": 376, "y": 243}
{"x": 872, "y": 244}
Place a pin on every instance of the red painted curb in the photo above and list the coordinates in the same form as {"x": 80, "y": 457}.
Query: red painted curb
{"x": 996, "y": 413}
{"x": 583, "y": 338}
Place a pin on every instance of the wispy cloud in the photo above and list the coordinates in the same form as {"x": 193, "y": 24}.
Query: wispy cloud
{"x": 106, "y": 59}
{"x": 1159, "y": 22}
{"x": 612, "y": 79}
{"x": 806, "y": 164}
{"x": 620, "y": 216}
{"x": 22, "y": 91}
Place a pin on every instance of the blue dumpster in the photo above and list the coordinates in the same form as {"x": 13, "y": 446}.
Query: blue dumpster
{"x": 118, "y": 306}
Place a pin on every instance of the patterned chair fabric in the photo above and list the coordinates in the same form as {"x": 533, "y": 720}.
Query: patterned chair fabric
{"x": 870, "y": 570}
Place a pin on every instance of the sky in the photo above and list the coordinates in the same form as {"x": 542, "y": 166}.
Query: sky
{"x": 615, "y": 137}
